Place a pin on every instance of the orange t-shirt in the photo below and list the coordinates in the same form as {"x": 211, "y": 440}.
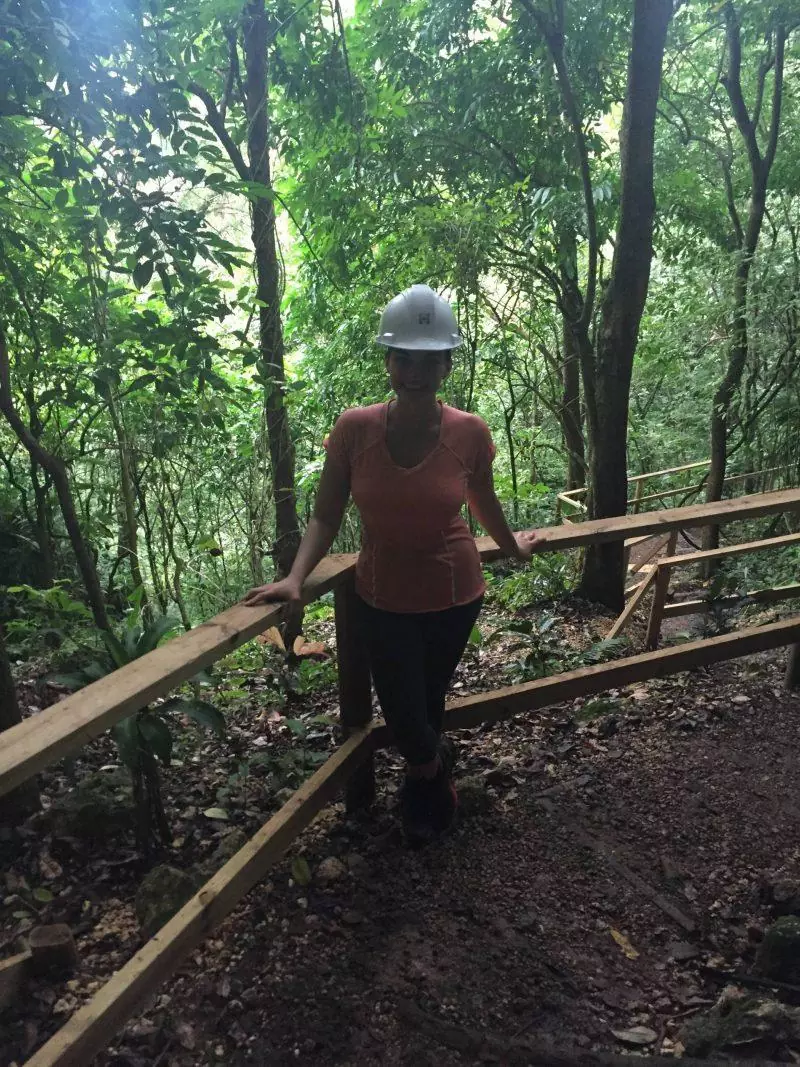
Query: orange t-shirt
{"x": 417, "y": 553}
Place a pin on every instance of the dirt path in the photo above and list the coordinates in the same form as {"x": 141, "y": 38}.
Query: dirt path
{"x": 508, "y": 926}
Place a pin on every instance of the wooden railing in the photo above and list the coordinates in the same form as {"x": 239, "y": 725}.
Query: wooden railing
{"x": 574, "y": 499}
{"x": 658, "y": 577}
{"x": 64, "y": 728}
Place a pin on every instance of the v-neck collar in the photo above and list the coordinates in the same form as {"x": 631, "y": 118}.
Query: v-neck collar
{"x": 427, "y": 456}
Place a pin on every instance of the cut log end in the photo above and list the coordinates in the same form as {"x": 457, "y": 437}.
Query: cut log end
{"x": 53, "y": 950}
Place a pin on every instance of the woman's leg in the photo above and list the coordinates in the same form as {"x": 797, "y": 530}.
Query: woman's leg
{"x": 396, "y": 649}
{"x": 446, "y": 636}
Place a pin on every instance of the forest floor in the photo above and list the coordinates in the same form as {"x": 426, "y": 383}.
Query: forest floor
{"x": 607, "y": 872}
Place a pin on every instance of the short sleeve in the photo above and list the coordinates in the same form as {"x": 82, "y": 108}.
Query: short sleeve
{"x": 338, "y": 444}
{"x": 484, "y": 453}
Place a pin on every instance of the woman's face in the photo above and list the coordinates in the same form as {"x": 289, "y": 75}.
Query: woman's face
{"x": 415, "y": 373}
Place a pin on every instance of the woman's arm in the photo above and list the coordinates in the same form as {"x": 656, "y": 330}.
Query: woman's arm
{"x": 332, "y": 497}
{"x": 487, "y": 509}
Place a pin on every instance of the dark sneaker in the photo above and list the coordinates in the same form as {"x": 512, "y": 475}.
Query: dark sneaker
{"x": 428, "y": 807}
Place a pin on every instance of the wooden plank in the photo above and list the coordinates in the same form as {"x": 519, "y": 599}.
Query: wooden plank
{"x": 754, "y": 474}
{"x": 93, "y": 1026}
{"x": 576, "y": 504}
{"x": 706, "y": 513}
{"x": 696, "y": 488}
{"x": 730, "y": 550}
{"x": 65, "y": 727}
{"x": 355, "y": 688}
{"x": 658, "y": 544}
{"x": 663, "y": 574}
{"x": 666, "y": 493}
{"x": 633, "y": 603}
{"x": 14, "y": 973}
{"x": 471, "y": 711}
{"x": 669, "y": 470}
{"x": 759, "y": 596}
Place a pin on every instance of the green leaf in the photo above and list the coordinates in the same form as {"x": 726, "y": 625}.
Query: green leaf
{"x": 199, "y": 711}
{"x": 156, "y": 733}
{"x": 126, "y": 738}
{"x": 115, "y": 649}
{"x": 217, "y": 813}
{"x": 140, "y": 383}
{"x": 155, "y": 632}
{"x": 44, "y": 896}
{"x": 61, "y": 199}
{"x": 301, "y": 872}
{"x": 70, "y": 681}
{"x": 142, "y": 273}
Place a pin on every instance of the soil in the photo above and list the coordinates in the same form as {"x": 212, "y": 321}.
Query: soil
{"x": 607, "y": 872}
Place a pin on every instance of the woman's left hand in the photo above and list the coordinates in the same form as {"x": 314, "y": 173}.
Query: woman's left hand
{"x": 528, "y": 542}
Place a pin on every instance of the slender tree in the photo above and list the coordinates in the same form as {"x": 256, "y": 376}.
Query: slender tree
{"x": 760, "y": 165}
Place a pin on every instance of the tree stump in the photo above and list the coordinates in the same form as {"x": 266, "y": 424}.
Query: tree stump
{"x": 53, "y": 950}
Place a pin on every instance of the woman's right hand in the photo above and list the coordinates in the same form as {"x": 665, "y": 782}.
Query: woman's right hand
{"x": 287, "y": 590}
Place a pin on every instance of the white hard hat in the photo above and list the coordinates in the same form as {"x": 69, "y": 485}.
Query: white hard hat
{"x": 419, "y": 319}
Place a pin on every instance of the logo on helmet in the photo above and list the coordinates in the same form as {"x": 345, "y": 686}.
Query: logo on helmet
{"x": 425, "y": 318}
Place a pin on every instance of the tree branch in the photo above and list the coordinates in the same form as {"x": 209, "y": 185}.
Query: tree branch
{"x": 732, "y": 81}
{"x": 554, "y": 38}
{"x": 217, "y": 124}
{"x": 777, "y": 99}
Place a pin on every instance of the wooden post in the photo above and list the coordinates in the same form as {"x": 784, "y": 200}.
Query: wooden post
{"x": 355, "y": 690}
{"x": 660, "y": 596}
{"x": 792, "y": 679}
{"x": 637, "y": 497}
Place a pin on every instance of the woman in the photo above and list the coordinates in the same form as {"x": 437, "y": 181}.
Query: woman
{"x": 410, "y": 465}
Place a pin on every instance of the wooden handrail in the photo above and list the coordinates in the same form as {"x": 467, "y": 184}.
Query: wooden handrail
{"x": 669, "y": 470}
{"x": 468, "y": 712}
{"x": 664, "y": 494}
{"x": 757, "y": 596}
{"x": 728, "y": 550}
{"x": 706, "y": 513}
{"x": 92, "y": 1026}
{"x": 65, "y": 727}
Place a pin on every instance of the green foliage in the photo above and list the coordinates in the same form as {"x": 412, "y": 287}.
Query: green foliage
{"x": 545, "y": 577}
{"x": 543, "y": 651}
{"x": 145, "y": 739}
{"x": 41, "y": 620}
{"x": 420, "y": 140}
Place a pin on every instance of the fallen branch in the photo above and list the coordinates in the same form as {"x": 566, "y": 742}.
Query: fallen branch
{"x": 751, "y": 981}
{"x": 527, "y": 1053}
{"x": 608, "y": 853}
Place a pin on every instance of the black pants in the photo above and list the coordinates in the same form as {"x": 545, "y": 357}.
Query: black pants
{"x": 413, "y": 658}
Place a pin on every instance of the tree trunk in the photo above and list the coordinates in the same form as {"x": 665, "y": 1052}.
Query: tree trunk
{"x": 760, "y": 167}
{"x": 603, "y": 577}
{"x": 128, "y": 491}
{"x": 571, "y": 418}
{"x": 21, "y": 802}
{"x": 269, "y": 286}
{"x": 737, "y": 360}
{"x": 57, "y": 471}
